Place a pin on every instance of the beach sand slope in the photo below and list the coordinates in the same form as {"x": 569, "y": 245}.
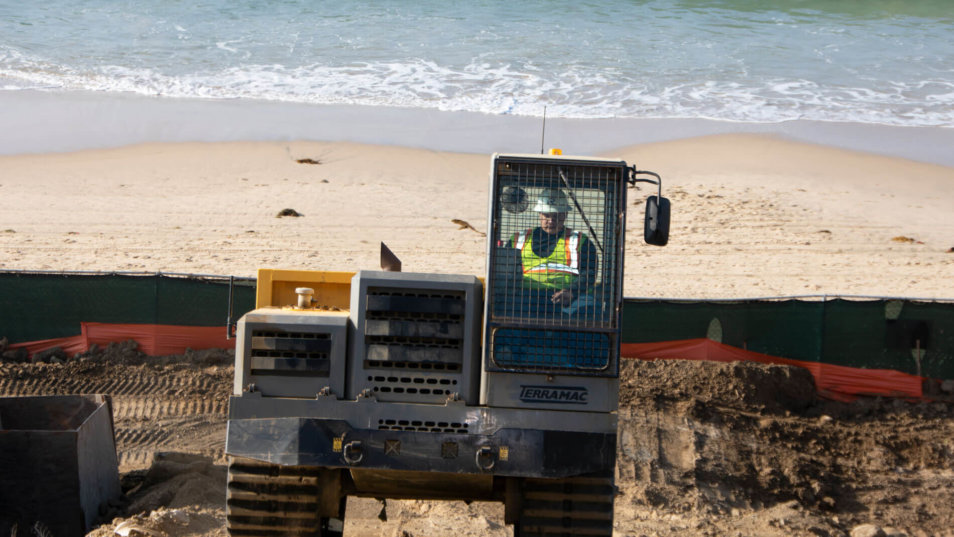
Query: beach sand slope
{"x": 753, "y": 215}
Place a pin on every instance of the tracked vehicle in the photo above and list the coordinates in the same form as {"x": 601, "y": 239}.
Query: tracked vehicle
{"x": 432, "y": 386}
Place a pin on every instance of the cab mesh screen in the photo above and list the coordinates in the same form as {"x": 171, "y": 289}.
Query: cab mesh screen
{"x": 554, "y": 265}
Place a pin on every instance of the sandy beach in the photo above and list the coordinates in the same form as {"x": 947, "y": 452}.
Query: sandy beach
{"x": 753, "y": 214}
{"x": 806, "y": 148}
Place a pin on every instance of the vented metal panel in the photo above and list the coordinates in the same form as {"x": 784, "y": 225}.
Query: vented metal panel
{"x": 415, "y": 336}
{"x": 555, "y": 268}
{"x": 413, "y": 385}
{"x": 290, "y": 353}
{"x": 424, "y": 426}
{"x": 294, "y": 353}
{"x": 413, "y": 327}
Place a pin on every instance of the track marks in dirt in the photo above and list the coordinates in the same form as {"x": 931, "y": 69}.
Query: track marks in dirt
{"x": 139, "y": 407}
{"x": 159, "y": 404}
{"x": 137, "y": 438}
{"x": 137, "y": 381}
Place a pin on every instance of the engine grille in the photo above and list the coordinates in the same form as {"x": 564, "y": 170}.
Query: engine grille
{"x": 290, "y": 353}
{"x": 412, "y": 385}
{"x": 424, "y": 426}
{"x": 415, "y": 337}
{"x": 414, "y": 343}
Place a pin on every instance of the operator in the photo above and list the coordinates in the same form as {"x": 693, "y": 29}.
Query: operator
{"x": 556, "y": 259}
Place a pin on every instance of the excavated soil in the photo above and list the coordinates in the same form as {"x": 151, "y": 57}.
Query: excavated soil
{"x": 705, "y": 449}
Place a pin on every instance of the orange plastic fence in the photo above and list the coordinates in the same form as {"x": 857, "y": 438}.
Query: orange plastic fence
{"x": 153, "y": 339}
{"x": 832, "y": 381}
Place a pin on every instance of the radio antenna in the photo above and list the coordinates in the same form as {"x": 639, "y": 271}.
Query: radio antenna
{"x": 543, "y": 133}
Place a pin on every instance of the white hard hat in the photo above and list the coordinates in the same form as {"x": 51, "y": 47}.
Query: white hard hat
{"x": 552, "y": 200}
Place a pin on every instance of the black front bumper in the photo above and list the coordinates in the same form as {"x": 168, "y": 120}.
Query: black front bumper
{"x": 332, "y": 443}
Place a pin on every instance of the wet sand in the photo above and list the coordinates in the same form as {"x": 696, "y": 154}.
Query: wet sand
{"x": 41, "y": 122}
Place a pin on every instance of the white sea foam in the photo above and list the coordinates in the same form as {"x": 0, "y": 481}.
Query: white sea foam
{"x": 771, "y": 65}
{"x": 575, "y": 93}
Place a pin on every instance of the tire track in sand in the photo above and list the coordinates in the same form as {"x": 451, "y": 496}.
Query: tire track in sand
{"x": 137, "y": 383}
{"x": 169, "y": 404}
{"x": 144, "y": 407}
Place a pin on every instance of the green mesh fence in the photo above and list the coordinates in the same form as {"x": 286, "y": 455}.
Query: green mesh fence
{"x": 35, "y": 306}
{"x": 788, "y": 328}
{"x": 870, "y": 333}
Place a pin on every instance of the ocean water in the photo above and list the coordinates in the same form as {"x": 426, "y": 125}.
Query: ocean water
{"x": 887, "y": 62}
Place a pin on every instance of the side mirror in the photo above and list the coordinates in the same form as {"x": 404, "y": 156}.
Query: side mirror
{"x": 656, "y": 228}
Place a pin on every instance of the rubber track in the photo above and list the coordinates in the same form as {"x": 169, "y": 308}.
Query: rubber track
{"x": 266, "y": 500}
{"x": 567, "y": 507}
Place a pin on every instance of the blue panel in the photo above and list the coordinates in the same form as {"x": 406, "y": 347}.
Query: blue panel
{"x": 550, "y": 349}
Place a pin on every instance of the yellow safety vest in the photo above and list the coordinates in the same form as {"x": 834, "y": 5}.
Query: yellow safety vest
{"x": 559, "y": 270}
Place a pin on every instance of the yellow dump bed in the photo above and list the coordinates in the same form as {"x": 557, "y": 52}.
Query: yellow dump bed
{"x": 277, "y": 288}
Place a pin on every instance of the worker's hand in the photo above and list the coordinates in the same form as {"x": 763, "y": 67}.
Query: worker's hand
{"x": 563, "y": 296}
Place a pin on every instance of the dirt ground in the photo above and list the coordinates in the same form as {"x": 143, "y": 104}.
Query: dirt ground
{"x": 705, "y": 449}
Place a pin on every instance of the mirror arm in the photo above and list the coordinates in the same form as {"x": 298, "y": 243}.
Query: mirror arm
{"x": 633, "y": 179}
